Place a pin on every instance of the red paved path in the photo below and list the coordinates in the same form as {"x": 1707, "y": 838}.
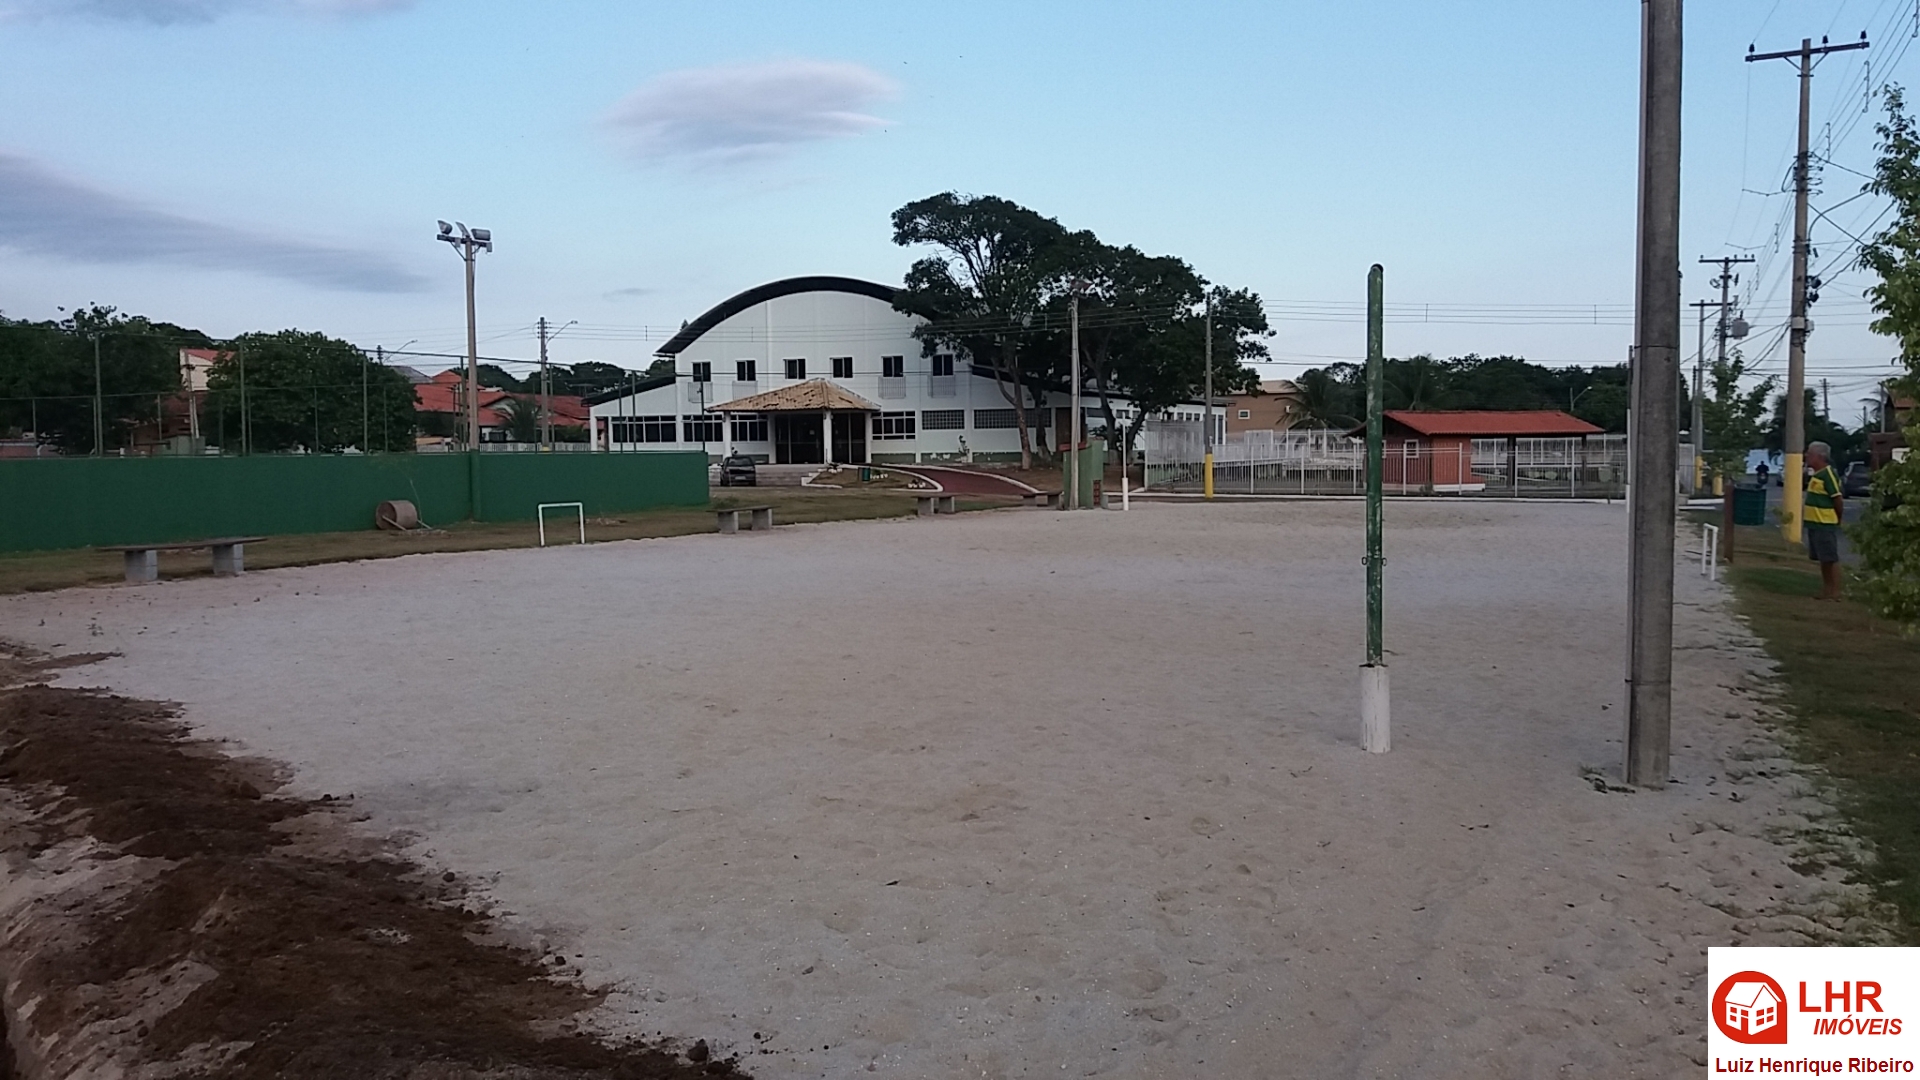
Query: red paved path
{"x": 966, "y": 481}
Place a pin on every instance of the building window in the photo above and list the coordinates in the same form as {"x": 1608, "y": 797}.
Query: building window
{"x": 943, "y": 419}
{"x": 701, "y": 429}
{"x": 797, "y": 368}
{"x": 745, "y": 371}
{"x": 703, "y": 371}
{"x": 644, "y": 429}
{"x": 942, "y": 364}
{"x": 893, "y": 425}
{"x": 996, "y": 418}
{"x": 749, "y": 427}
{"x": 1244, "y": 414}
{"x": 842, "y": 367}
{"x": 893, "y": 367}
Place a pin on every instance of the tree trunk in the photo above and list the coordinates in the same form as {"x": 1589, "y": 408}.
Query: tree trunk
{"x": 1011, "y": 367}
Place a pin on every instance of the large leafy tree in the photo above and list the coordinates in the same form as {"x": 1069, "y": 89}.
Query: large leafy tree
{"x": 47, "y": 375}
{"x": 997, "y": 267}
{"x": 294, "y": 390}
{"x": 1888, "y": 539}
{"x": 1336, "y": 394}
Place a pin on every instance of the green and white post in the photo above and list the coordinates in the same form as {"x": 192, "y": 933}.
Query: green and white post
{"x": 1375, "y": 728}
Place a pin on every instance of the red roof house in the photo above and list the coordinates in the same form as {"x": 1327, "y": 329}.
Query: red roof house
{"x": 447, "y": 391}
{"x": 1433, "y": 451}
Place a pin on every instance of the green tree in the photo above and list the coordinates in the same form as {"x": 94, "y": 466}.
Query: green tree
{"x": 1732, "y": 415}
{"x": 294, "y": 390}
{"x": 1888, "y": 537}
{"x": 47, "y": 375}
{"x": 585, "y": 377}
{"x": 523, "y": 418}
{"x": 495, "y": 377}
{"x": 998, "y": 266}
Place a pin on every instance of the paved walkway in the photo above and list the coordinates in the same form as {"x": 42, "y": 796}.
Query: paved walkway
{"x": 967, "y": 481}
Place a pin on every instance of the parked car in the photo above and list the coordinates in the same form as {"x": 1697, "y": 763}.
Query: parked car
{"x": 737, "y": 470}
{"x": 1857, "y": 480}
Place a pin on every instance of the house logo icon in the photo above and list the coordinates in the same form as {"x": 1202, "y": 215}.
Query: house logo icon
{"x": 1749, "y": 1007}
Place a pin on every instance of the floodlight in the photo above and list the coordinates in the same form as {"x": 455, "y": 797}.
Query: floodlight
{"x": 446, "y": 230}
{"x": 485, "y": 236}
{"x": 463, "y": 230}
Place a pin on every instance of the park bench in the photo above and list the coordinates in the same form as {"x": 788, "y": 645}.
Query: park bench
{"x": 934, "y": 502}
{"x": 759, "y": 517}
{"x": 143, "y": 560}
{"x": 1035, "y": 498}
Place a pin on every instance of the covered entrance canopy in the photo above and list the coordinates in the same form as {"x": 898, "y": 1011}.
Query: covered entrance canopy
{"x": 803, "y": 418}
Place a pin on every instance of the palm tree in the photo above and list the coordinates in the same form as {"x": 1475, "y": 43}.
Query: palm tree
{"x": 523, "y": 418}
{"x": 1325, "y": 401}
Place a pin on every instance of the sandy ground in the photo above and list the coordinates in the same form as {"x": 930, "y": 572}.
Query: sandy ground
{"x": 1041, "y": 794}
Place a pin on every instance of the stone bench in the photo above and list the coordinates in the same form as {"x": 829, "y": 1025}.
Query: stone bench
{"x": 143, "y": 560}
{"x": 936, "y": 502}
{"x": 759, "y": 517}
{"x": 1035, "y": 498}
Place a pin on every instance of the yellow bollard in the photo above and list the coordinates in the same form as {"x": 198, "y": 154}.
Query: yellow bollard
{"x": 1207, "y": 479}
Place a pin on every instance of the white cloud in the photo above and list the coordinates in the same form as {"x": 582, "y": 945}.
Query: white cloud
{"x": 173, "y": 12}
{"x": 732, "y": 112}
{"x": 44, "y": 213}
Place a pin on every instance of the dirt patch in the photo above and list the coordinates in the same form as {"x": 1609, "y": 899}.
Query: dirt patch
{"x": 171, "y": 911}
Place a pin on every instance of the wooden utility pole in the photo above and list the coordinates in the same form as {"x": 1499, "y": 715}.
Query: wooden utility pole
{"x": 1794, "y": 463}
{"x": 1655, "y": 428}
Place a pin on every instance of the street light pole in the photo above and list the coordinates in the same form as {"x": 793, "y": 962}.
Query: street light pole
{"x": 1206, "y": 435}
{"x": 468, "y": 246}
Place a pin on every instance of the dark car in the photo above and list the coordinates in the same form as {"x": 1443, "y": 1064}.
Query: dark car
{"x": 1857, "y": 480}
{"x": 736, "y": 470}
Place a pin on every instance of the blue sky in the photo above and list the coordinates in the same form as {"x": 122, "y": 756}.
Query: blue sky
{"x": 244, "y": 164}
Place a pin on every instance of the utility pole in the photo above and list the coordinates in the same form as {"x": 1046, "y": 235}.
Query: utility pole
{"x": 1826, "y": 404}
{"x": 1724, "y": 329}
{"x": 1072, "y": 501}
{"x": 1793, "y": 483}
{"x": 1376, "y": 732}
{"x": 366, "y": 417}
{"x": 468, "y": 245}
{"x": 99, "y": 404}
{"x": 1206, "y": 482}
{"x": 1655, "y": 423}
{"x": 546, "y": 392}
{"x": 1694, "y": 432}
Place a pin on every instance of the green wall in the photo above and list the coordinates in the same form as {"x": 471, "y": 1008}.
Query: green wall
{"x": 77, "y": 502}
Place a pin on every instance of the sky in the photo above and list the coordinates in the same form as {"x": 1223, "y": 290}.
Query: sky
{"x": 240, "y": 165}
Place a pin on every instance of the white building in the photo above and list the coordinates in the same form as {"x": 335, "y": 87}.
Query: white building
{"x": 812, "y": 369}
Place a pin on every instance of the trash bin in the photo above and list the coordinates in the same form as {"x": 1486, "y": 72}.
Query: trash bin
{"x": 1749, "y": 504}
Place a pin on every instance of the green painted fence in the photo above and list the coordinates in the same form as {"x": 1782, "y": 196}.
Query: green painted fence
{"x": 77, "y": 502}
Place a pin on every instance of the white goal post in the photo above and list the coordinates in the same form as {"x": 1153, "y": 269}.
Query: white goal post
{"x": 541, "y": 512}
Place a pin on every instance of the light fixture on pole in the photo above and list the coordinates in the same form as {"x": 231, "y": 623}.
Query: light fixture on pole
{"x": 467, "y": 245}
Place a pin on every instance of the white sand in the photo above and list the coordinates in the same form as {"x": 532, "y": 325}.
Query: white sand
{"x": 1038, "y": 794}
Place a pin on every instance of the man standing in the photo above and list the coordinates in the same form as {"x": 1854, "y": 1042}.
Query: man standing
{"x": 1822, "y": 508}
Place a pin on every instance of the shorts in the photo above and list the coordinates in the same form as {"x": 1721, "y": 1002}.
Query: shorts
{"x": 1823, "y": 543}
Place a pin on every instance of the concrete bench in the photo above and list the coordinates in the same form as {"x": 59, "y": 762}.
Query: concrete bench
{"x": 1035, "y": 498}
{"x": 143, "y": 560}
{"x": 759, "y": 517}
{"x": 937, "y": 502}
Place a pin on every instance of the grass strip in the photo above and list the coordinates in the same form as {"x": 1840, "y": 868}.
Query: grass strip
{"x": 1852, "y": 691}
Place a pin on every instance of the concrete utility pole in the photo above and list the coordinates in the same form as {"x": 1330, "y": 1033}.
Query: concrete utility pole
{"x": 468, "y": 245}
{"x": 1698, "y": 472}
{"x": 1206, "y": 457}
{"x": 1793, "y": 483}
{"x": 1072, "y": 501}
{"x": 1724, "y": 329}
{"x": 99, "y": 404}
{"x": 546, "y": 392}
{"x": 1655, "y": 423}
{"x": 1376, "y": 731}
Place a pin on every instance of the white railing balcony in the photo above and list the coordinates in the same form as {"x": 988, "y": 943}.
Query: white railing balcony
{"x": 893, "y": 389}
{"x": 743, "y": 389}
{"x": 942, "y": 386}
